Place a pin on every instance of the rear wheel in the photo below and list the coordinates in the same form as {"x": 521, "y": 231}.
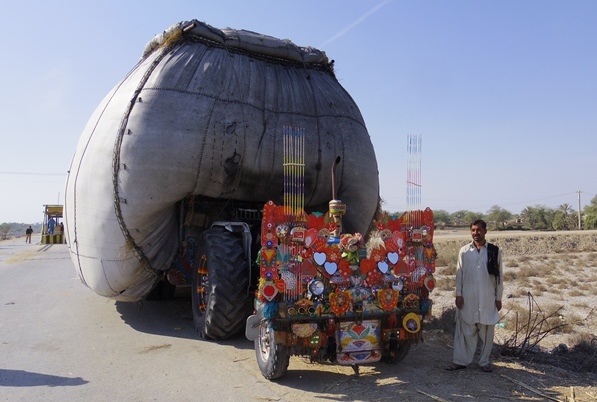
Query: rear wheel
{"x": 399, "y": 354}
{"x": 220, "y": 297}
{"x": 272, "y": 358}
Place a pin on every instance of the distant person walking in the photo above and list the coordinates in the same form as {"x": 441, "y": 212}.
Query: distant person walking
{"x": 51, "y": 226}
{"x": 479, "y": 288}
{"x": 28, "y": 234}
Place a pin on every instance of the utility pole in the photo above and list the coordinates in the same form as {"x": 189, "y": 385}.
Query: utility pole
{"x": 579, "y": 226}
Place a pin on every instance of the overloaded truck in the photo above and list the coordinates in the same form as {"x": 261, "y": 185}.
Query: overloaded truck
{"x": 177, "y": 179}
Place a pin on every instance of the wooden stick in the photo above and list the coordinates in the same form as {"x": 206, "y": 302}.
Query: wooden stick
{"x": 530, "y": 388}
{"x": 436, "y": 398}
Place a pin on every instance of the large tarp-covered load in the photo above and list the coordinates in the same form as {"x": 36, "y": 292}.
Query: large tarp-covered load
{"x": 203, "y": 113}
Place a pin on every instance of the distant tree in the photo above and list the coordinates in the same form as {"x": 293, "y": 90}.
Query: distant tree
{"x": 4, "y": 230}
{"x": 441, "y": 217}
{"x": 498, "y": 216}
{"x": 457, "y": 218}
{"x": 565, "y": 208}
{"x": 590, "y": 215}
{"x": 470, "y": 217}
{"x": 560, "y": 222}
{"x": 564, "y": 218}
{"x": 538, "y": 217}
{"x": 590, "y": 222}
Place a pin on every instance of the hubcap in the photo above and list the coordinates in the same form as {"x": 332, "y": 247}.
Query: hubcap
{"x": 264, "y": 341}
{"x": 202, "y": 288}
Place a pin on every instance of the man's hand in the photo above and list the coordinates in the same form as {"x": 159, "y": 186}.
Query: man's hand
{"x": 460, "y": 302}
{"x": 498, "y": 305}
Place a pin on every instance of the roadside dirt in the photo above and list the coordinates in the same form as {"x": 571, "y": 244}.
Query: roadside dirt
{"x": 559, "y": 270}
{"x": 421, "y": 377}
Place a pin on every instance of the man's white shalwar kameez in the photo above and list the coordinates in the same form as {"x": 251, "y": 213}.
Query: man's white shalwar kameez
{"x": 477, "y": 318}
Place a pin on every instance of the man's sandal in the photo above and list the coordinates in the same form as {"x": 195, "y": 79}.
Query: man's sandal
{"x": 486, "y": 369}
{"x": 454, "y": 366}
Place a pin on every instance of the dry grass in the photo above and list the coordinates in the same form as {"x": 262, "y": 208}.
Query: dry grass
{"x": 447, "y": 284}
{"x": 448, "y": 257}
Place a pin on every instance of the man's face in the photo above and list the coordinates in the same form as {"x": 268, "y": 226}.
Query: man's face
{"x": 478, "y": 233}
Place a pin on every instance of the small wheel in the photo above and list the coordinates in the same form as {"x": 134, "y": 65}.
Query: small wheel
{"x": 272, "y": 358}
{"x": 399, "y": 354}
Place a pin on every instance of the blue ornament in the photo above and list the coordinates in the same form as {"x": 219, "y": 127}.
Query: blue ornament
{"x": 270, "y": 310}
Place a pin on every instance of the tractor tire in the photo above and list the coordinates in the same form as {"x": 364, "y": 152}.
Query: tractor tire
{"x": 272, "y": 358}
{"x": 398, "y": 355}
{"x": 220, "y": 298}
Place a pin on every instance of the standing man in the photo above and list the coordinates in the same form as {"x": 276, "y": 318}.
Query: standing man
{"x": 51, "y": 225}
{"x": 479, "y": 288}
{"x": 28, "y": 234}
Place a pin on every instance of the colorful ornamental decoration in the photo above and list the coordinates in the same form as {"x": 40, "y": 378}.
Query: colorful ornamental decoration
{"x": 388, "y": 299}
{"x": 359, "y": 342}
{"x": 340, "y": 302}
{"x": 411, "y": 323}
{"x": 336, "y": 296}
{"x": 304, "y": 258}
{"x": 268, "y": 290}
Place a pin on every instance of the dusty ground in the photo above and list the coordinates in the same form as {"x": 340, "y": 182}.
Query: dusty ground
{"x": 559, "y": 271}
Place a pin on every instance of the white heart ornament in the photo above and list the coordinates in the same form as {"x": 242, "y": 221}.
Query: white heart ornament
{"x": 331, "y": 267}
{"x": 393, "y": 257}
{"x": 382, "y": 266}
{"x": 319, "y": 258}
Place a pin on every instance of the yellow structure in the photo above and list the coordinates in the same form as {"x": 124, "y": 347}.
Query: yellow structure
{"x": 57, "y": 237}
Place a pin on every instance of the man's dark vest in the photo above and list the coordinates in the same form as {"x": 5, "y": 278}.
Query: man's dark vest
{"x": 493, "y": 265}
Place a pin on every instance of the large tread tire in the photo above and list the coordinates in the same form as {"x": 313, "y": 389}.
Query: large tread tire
{"x": 220, "y": 299}
{"x": 272, "y": 358}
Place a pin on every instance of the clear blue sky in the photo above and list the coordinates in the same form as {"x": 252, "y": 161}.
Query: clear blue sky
{"x": 504, "y": 93}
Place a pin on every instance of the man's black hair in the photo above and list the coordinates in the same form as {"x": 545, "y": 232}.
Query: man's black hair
{"x": 479, "y": 222}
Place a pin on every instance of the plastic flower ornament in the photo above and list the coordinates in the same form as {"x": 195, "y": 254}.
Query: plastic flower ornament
{"x": 351, "y": 244}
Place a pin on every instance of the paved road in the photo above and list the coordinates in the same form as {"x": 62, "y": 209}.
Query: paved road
{"x": 60, "y": 341}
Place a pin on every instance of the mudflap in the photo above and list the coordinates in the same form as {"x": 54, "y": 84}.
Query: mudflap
{"x": 358, "y": 342}
{"x": 252, "y": 327}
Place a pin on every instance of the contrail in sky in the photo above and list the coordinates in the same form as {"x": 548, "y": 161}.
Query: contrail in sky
{"x": 354, "y": 24}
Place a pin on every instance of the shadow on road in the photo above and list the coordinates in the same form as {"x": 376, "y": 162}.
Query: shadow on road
{"x": 22, "y": 378}
{"x": 173, "y": 317}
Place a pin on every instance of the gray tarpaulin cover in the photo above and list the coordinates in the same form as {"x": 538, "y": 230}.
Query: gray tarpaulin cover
{"x": 203, "y": 113}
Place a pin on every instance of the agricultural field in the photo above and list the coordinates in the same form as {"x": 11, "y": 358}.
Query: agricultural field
{"x": 549, "y": 314}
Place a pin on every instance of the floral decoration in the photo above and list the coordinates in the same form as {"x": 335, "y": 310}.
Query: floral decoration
{"x": 350, "y": 245}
